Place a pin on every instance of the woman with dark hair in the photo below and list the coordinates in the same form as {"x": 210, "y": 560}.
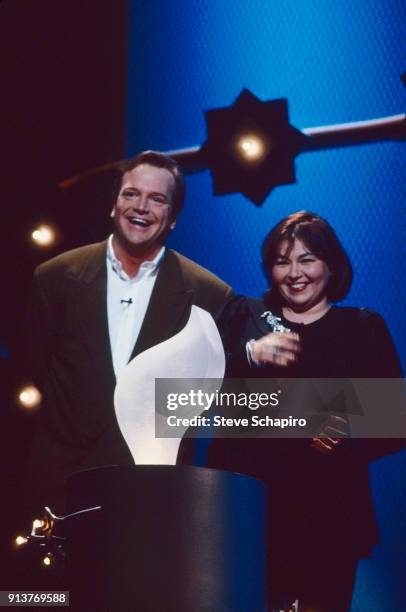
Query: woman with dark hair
{"x": 321, "y": 519}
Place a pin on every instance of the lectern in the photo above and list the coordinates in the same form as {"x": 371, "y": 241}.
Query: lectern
{"x": 166, "y": 538}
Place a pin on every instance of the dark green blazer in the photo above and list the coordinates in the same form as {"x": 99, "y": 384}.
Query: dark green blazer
{"x": 69, "y": 351}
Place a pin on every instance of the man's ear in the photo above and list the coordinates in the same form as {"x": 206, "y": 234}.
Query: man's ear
{"x": 172, "y": 225}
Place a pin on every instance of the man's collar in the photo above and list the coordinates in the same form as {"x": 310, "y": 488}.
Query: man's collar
{"x": 116, "y": 264}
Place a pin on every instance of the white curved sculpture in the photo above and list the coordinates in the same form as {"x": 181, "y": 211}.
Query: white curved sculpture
{"x": 195, "y": 352}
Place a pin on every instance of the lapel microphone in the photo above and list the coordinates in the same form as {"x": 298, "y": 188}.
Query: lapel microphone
{"x": 128, "y": 302}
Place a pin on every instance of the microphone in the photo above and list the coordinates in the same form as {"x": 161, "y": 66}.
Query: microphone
{"x": 128, "y": 302}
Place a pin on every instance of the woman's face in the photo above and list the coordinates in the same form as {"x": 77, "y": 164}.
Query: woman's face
{"x": 300, "y": 277}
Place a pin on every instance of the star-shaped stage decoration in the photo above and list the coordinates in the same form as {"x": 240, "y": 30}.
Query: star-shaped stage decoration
{"x": 251, "y": 146}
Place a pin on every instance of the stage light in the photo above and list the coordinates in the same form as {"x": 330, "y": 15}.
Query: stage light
{"x": 20, "y": 540}
{"x": 44, "y": 235}
{"x": 30, "y": 397}
{"x": 251, "y": 147}
{"x": 47, "y": 560}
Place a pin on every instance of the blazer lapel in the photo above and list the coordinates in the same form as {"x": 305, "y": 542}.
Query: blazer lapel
{"x": 169, "y": 306}
{"x": 167, "y": 313}
{"x": 91, "y": 305}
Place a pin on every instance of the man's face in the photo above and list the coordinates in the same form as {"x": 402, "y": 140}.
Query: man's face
{"x": 143, "y": 213}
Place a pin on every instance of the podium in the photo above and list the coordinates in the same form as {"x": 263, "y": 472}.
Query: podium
{"x": 166, "y": 538}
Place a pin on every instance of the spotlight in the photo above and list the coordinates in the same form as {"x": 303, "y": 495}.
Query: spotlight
{"x": 252, "y": 148}
{"x": 20, "y": 540}
{"x": 30, "y": 397}
{"x": 47, "y": 560}
{"x": 44, "y": 236}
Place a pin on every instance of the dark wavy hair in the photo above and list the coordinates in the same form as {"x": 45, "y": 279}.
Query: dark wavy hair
{"x": 318, "y": 236}
{"x": 158, "y": 160}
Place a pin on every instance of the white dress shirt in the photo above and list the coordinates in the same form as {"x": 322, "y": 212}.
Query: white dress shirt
{"x": 127, "y": 303}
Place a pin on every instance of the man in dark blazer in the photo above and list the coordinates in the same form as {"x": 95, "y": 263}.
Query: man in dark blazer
{"x": 85, "y": 322}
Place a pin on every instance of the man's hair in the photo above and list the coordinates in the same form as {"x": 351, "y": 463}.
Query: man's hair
{"x": 318, "y": 236}
{"x": 158, "y": 160}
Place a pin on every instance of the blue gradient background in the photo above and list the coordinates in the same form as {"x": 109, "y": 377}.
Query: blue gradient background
{"x": 336, "y": 61}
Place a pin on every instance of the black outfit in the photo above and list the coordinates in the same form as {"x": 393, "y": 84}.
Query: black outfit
{"x": 321, "y": 518}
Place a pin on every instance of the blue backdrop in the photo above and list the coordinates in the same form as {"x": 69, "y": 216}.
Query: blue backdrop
{"x": 336, "y": 61}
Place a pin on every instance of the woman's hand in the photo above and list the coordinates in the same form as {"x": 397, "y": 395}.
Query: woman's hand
{"x": 279, "y": 349}
{"x": 328, "y": 443}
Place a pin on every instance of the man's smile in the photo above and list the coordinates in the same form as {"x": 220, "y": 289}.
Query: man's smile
{"x": 139, "y": 221}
